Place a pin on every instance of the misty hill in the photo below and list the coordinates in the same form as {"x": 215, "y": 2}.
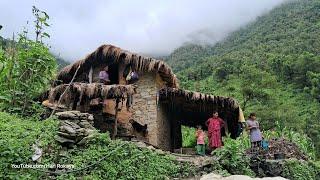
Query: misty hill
{"x": 61, "y": 62}
{"x": 272, "y": 66}
{"x": 294, "y": 25}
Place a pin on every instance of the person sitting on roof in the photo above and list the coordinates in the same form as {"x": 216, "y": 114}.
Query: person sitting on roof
{"x": 104, "y": 76}
{"x": 131, "y": 75}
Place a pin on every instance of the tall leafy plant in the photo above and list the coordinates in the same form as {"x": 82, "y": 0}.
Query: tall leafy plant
{"x": 26, "y": 67}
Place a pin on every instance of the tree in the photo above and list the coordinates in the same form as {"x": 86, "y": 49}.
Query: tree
{"x": 255, "y": 84}
{"x": 314, "y": 80}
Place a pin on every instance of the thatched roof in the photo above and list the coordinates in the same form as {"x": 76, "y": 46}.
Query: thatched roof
{"x": 194, "y": 108}
{"x": 108, "y": 54}
{"x": 80, "y": 92}
{"x": 192, "y": 96}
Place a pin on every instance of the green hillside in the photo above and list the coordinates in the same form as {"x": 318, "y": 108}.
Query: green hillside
{"x": 271, "y": 66}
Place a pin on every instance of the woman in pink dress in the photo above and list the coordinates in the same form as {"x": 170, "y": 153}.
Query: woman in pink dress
{"x": 214, "y": 130}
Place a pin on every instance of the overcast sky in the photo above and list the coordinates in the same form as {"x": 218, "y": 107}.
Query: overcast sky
{"x": 143, "y": 26}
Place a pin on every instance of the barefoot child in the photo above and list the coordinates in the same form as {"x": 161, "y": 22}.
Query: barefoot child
{"x": 200, "y": 141}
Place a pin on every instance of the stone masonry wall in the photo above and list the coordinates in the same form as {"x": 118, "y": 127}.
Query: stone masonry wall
{"x": 144, "y": 105}
{"x": 164, "y": 128}
{"x": 163, "y": 121}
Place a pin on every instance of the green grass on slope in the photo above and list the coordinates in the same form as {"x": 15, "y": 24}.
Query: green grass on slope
{"x": 110, "y": 159}
{"x": 17, "y": 137}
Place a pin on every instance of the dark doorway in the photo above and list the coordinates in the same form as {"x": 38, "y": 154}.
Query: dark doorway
{"x": 114, "y": 73}
{"x": 180, "y": 110}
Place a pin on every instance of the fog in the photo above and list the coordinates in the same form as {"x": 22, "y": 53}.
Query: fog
{"x": 142, "y": 26}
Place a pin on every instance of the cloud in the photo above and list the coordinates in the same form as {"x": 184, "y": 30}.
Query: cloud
{"x": 143, "y": 26}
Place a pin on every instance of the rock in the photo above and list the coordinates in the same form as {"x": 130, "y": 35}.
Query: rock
{"x": 68, "y": 115}
{"x": 207, "y": 161}
{"x": 211, "y": 176}
{"x": 237, "y": 177}
{"x": 85, "y": 140}
{"x": 66, "y": 135}
{"x": 151, "y": 148}
{"x": 90, "y": 118}
{"x": 81, "y": 132}
{"x": 159, "y": 151}
{"x": 267, "y": 167}
{"x": 89, "y": 132}
{"x": 85, "y": 124}
{"x": 63, "y": 140}
{"x": 74, "y": 125}
{"x": 67, "y": 129}
{"x": 37, "y": 154}
{"x": 141, "y": 144}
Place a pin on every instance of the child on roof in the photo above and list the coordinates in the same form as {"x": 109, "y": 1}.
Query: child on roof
{"x": 200, "y": 141}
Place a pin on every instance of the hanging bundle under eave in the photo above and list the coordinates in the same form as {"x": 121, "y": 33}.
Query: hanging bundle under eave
{"x": 90, "y": 91}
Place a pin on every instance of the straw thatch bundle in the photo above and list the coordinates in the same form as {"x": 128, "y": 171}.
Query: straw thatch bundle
{"x": 80, "y": 91}
{"x": 108, "y": 54}
{"x": 170, "y": 93}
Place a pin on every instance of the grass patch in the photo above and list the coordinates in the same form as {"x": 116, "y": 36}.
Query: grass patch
{"x": 17, "y": 137}
{"x": 126, "y": 160}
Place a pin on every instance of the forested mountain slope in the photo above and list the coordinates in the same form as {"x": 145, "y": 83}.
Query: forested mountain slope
{"x": 272, "y": 66}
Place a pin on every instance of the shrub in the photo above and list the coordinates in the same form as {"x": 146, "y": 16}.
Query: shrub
{"x": 232, "y": 156}
{"x": 301, "y": 170}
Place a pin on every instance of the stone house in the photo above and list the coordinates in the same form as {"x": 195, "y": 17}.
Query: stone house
{"x": 152, "y": 109}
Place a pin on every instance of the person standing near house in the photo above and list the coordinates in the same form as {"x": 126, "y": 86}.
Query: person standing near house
{"x": 104, "y": 76}
{"x": 200, "y": 141}
{"x": 215, "y": 124}
{"x": 254, "y": 128}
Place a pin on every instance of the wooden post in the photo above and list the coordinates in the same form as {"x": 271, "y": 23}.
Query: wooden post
{"x": 90, "y": 75}
{"x": 65, "y": 90}
{"x": 115, "y": 127}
